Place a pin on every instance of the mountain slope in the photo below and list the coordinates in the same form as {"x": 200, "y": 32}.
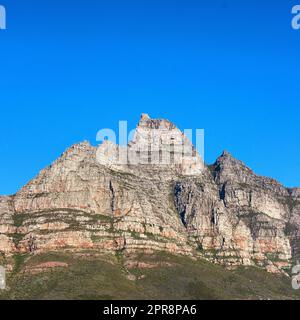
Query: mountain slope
{"x": 87, "y": 201}
{"x": 173, "y": 277}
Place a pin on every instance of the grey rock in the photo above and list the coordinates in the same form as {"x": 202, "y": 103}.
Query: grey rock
{"x": 224, "y": 212}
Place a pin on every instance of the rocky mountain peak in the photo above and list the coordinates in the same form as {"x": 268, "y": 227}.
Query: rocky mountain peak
{"x": 294, "y": 192}
{"x": 144, "y": 117}
{"x": 76, "y": 153}
{"x": 147, "y": 122}
{"x": 226, "y": 155}
{"x": 228, "y": 168}
{"x": 78, "y": 203}
{"x": 227, "y": 158}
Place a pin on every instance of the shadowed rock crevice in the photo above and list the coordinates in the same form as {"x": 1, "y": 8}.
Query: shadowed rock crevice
{"x": 179, "y": 205}
{"x": 113, "y": 197}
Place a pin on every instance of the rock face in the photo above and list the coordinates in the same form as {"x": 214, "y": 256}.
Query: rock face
{"x": 87, "y": 200}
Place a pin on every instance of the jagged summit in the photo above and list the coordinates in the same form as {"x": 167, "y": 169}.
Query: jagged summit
{"x": 144, "y": 117}
{"x": 227, "y": 162}
{"x": 228, "y": 168}
{"x": 227, "y": 154}
{"x": 146, "y": 121}
{"x": 231, "y": 217}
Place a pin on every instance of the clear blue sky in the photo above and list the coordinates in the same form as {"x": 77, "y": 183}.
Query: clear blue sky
{"x": 71, "y": 68}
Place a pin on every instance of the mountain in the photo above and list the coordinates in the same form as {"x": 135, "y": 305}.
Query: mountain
{"x": 89, "y": 206}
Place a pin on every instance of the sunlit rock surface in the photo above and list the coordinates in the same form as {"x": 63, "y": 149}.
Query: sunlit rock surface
{"x": 89, "y": 200}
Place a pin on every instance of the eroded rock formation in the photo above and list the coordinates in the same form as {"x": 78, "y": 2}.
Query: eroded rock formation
{"x": 223, "y": 212}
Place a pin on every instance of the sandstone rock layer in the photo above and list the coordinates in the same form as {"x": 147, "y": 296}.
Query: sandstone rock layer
{"x": 224, "y": 212}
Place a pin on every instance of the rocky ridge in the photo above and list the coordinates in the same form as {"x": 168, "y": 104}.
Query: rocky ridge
{"x": 224, "y": 212}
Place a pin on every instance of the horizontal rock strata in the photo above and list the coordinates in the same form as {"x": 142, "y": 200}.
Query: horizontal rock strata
{"x": 224, "y": 212}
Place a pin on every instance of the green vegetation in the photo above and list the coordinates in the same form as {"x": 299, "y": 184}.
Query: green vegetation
{"x": 135, "y": 235}
{"x": 17, "y": 237}
{"x": 212, "y": 253}
{"x": 19, "y": 219}
{"x": 274, "y": 257}
{"x": 174, "y": 278}
{"x": 99, "y": 217}
{"x": 19, "y": 260}
{"x": 200, "y": 247}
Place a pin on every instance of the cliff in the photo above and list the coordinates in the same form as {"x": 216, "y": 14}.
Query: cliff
{"x": 86, "y": 201}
